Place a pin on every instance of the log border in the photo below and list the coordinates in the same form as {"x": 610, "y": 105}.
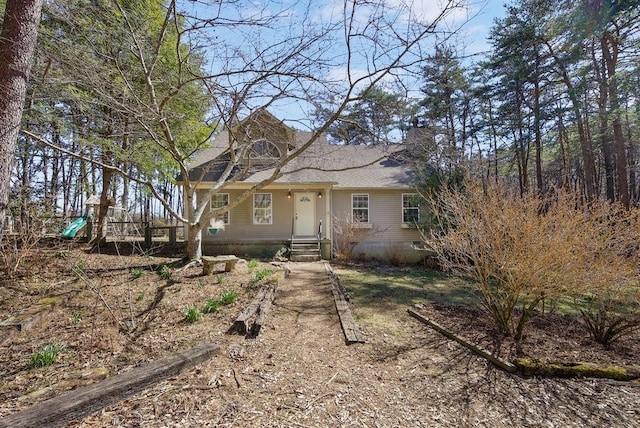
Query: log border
{"x": 81, "y": 402}
{"x": 350, "y": 329}
{"x": 252, "y": 318}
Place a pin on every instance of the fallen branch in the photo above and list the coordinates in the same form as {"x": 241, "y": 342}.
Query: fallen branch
{"x": 499, "y": 362}
{"x": 530, "y": 367}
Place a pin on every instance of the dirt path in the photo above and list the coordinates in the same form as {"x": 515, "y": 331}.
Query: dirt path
{"x": 300, "y": 373}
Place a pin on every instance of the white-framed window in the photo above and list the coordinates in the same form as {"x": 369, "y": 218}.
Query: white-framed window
{"x": 410, "y": 208}
{"x": 262, "y": 208}
{"x": 219, "y": 200}
{"x": 360, "y": 207}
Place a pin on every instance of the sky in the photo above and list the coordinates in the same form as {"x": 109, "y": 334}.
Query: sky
{"x": 471, "y": 40}
{"x": 477, "y": 29}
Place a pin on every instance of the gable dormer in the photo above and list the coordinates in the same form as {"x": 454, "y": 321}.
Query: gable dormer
{"x": 269, "y": 138}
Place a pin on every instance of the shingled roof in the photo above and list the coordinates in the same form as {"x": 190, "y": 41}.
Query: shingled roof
{"x": 342, "y": 166}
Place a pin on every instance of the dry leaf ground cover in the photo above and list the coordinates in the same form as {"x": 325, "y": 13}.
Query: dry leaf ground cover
{"x": 298, "y": 372}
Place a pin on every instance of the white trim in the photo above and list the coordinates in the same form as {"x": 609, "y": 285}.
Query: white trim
{"x": 228, "y": 213}
{"x": 269, "y": 208}
{"x": 368, "y": 208}
{"x": 362, "y": 225}
{"x": 402, "y": 207}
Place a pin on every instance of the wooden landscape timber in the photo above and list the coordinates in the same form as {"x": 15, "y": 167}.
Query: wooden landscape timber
{"x": 351, "y": 331}
{"x": 529, "y": 367}
{"x": 33, "y": 315}
{"x": 336, "y": 281}
{"x": 252, "y": 318}
{"x": 81, "y": 402}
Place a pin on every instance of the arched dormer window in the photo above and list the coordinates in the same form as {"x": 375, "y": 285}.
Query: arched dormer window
{"x": 264, "y": 149}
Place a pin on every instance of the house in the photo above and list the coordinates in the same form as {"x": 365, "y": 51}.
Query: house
{"x": 329, "y": 199}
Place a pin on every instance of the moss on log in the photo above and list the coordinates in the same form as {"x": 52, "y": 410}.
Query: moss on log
{"x": 530, "y": 367}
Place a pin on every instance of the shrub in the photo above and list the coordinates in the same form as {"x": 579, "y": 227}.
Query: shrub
{"x": 46, "y": 355}
{"x": 347, "y": 235}
{"x": 521, "y": 249}
{"x": 609, "y": 319}
{"x": 397, "y": 255}
{"x": 21, "y": 248}
{"x": 605, "y": 290}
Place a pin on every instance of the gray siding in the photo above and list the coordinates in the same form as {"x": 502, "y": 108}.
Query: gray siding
{"x": 385, "y": 237}
{"x": 385, "y": 216}
{"x": 242, "y": 229}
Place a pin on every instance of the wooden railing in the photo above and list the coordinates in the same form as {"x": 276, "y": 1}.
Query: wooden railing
{"x": 149, "y": 233}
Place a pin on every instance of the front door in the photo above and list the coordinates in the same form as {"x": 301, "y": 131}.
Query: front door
{"x": 305, "y": 213}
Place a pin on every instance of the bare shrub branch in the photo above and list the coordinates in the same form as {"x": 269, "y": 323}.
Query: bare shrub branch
{"x": 519, "y": 251}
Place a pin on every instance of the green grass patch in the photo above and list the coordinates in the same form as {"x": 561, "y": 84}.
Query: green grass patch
{"x": 228, "y": 297}
{"x": 164, "y": 272}
{"x": 260, "y": 275}
{"x": 252, "y": 264}
{"x": 211, "y": 306}
{"x": 192, "y": 315}
{"x": 380, "y": 295}
{"x": 76, "y": 318}
{"x": 46, "y": 355}
{"x": 136, "y": 273}
{"x": 392, "y": 288}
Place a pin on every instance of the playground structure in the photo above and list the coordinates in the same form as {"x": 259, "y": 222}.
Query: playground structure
{"x": 74, "y": 227}
{"x": 120, "y": 225}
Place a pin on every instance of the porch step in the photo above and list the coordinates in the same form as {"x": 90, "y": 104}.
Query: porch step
{"x": 305, "y": 257}
{"x": 304, "y": 250}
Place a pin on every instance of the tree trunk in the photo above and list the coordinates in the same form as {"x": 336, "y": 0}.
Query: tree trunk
{"x": 610, "y": 54}
{"x": 607, "y": 152}
{"x": 105, "y": 201}
{"x": 538, "y": 134}
{"x": 17, "y": 44}
{"x": 194, "y": 243}
{"x": 586, "y": 148}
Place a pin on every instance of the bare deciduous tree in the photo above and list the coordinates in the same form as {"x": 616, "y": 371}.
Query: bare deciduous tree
{"x": 248, "y": 59}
